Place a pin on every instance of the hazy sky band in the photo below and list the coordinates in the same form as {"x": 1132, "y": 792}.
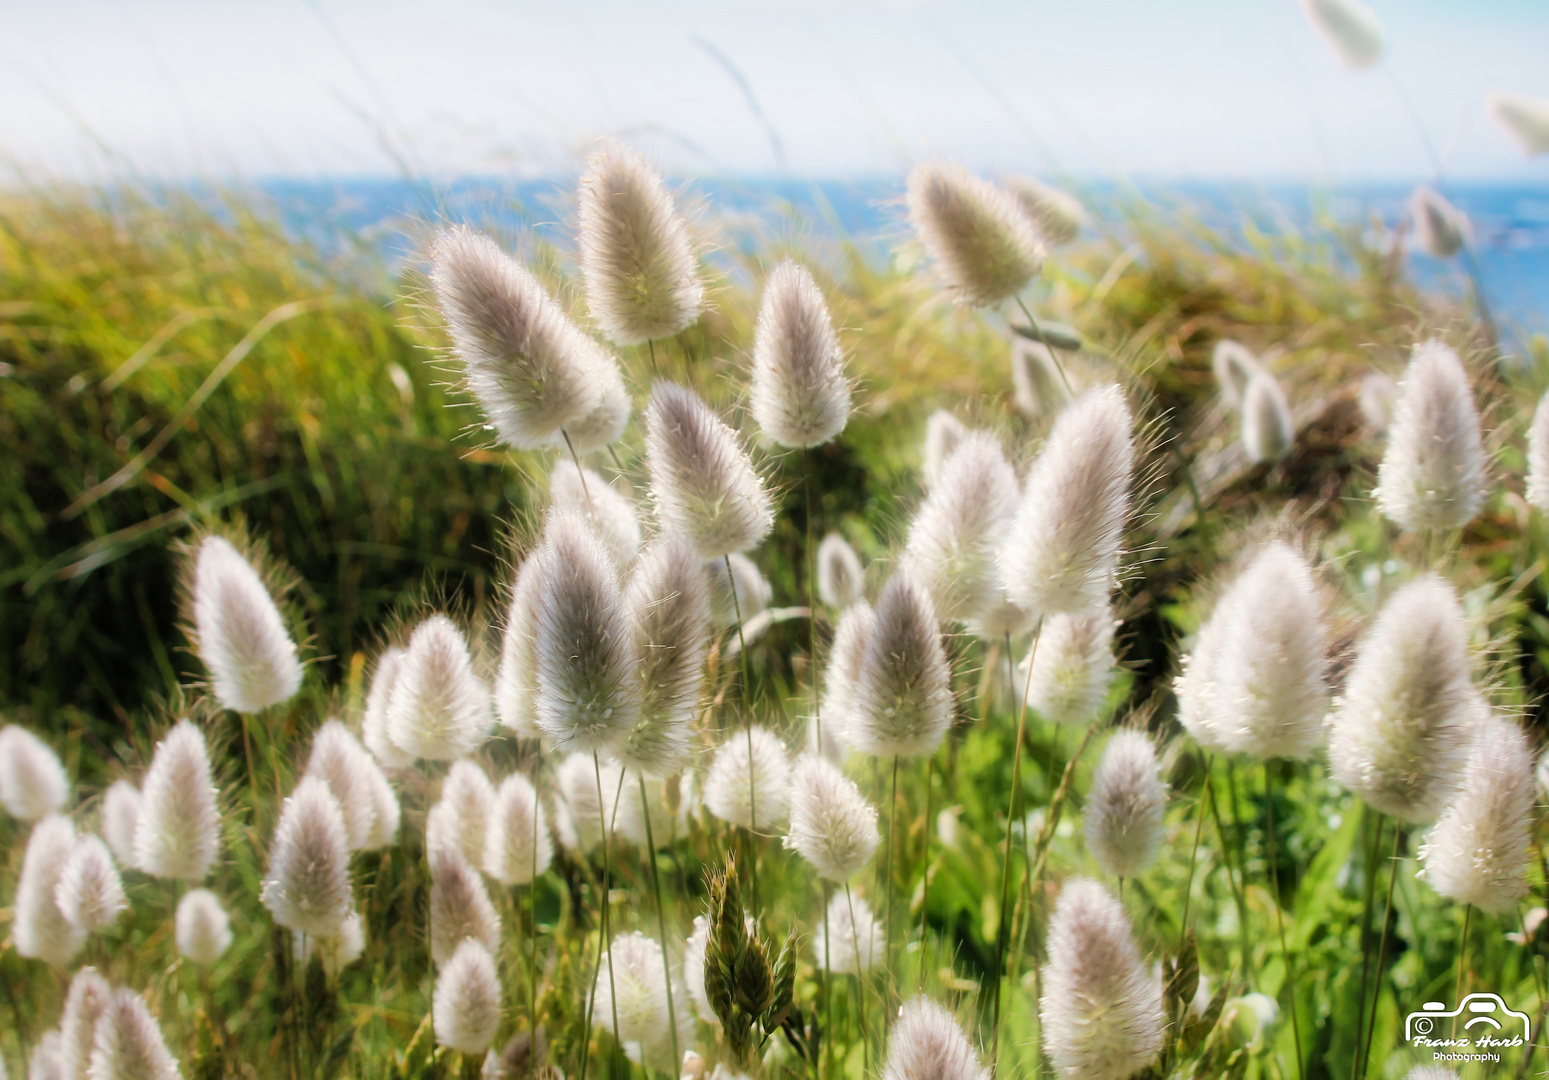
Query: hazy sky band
{"x": 1217, "y": 88}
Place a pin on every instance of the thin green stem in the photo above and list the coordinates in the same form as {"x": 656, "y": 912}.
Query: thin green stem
{"x": 1366, "y": 933}
{"x": 661, "y": 920}
{"x": 1382, "y": 951}
{"x": 1053, "y": 353}
{"x": 887, "y": 951}
{"x": 606, "y": 892}
{"x": 1468, "y": 915}
{"x": 930, "y": 769}
{"x": 863, "y": 964}
{"x": 1274, "y": 884}
{"x": 651, "y": 347}
{"x": 747, "y": 727}
{"x": 1199, "y": 828}
{"x": 828, "y": 978}
{"x": 812, "y": 607}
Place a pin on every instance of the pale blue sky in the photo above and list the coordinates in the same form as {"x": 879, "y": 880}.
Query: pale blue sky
{"x": 1208, "y": 88}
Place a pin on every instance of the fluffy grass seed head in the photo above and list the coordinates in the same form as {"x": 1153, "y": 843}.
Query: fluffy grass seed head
{"x": 958, "y": 530}
{"x": 439, "y": 708}
{"x": 1538, "y": 456}
{"x": 1524, "y": 118}
{"x": 842, "y": 579}
{"x": 1123, "y": 812}
{"x": 1059, "y": 215}
{"x": 588, "y": 689}
{"x": 642, "y": 279}
{"x": 668, "y": 605}
{"x": 89, "y": 893}
{"x": 832, "y": 825}
{"x": 1433, "y": 475}
{"x": 465, "y": 1009}
{"x": 1441, "y": 229}
{"x": 308, "y": 885}
{"x": 460, "y": 907}
{"x": 373, "y": 724}
{"x": 516, "y": 680}
{"x": 1404, "y": 722}
{"x": 752, "y": 596}
{"x": 1378, "y": 395}
{"x": 85, "y": 1003}
{"x": 1234, "y": 365}
{"x": 1255, "y": 683}
{"x": 732, "y": 786}
{"x": 901, "y": 703}
{"x": 203, "y": 929}
{"x": 240, "y": 634}
{"x": 606, "y": 422}
{"x": 530, "y": 367}
{"x": 1267, "y": 427}
{"x": 33, "y": 783}
{"x": 120, "y": 813}
{"x": 1072, "y": 667}
{"x": 985, "y": 247}
{"x": 633, "y": 982}
{"x": 845, "y": 663}
{"x": 855, "y": 946}
{"x": 1350, "y": 28}
{"x": 1101, "y": 1009}
{"x": 470, "y": 798}
{"x": 1062, "y": 552}
{"x": 44, "y": 1064}
{"x": 178, "y": 832}
{"x": 517, "y": 847}
{"x": 800, "y": 392}
{"x": 39, "y": 928}
{"x": 350, "y": 773}
{"x": 702, "y": 481}
{"x": 943, "y": 432}
{"x": 609, "y": 510}
{"x": 334, "y": 953}
{"x": 928, "y": 1044}
{"x": 1037, "y": 387}
{"x": 1477, "y": 853}
{"x": 129, "y": 1044}
{"x": 580, "y": 817}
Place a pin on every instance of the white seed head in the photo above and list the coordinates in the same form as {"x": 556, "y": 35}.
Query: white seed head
{"x": 240, "y": 635}
{"x": 460, "y": 908}
{"x": 120, "y": 814}
{"x": 943, "y": 432}
{"x": 1379, "y": 395}
{"x": 443, "y": 832}
{"x": 1267, "y": 428}
{"x": 800, "y": 392}
{"x": 1350, "y": 28}
{"x": 39, "y": 928}
{"x": 1038, "y": 389}
{"x": 1538, "y": 456}
{"x": 588, "y": 690}
{"x": 439, "y": 708}
{"x": 1101, "y": 1009}
{"x": 668, "y": 604}
{"x": 1524, "y": 118}
{"x": 340, "y": 761}
{"x": 178, "y": 832}
{"x": 1123, "y": 813}
{"x": 44, "y": 1064}
{"x": 955, "y": 535}
{"x": 753, "y": 590}
{"x": 1059, "y": 215}
{"x": 532, "y": 370}
{"x": 902, "y": 700}
{"x": 1404, "y": 722}
{"x": 1234, "y": 365}
{"x": 832, "y": 826}
{"x": 1477, "y": 853}
{"x": 308, "y": 884}
{"x": 517, "y": 847}
{"x": 1072, "y": 667}
{"x": 1441, "y": 229}
{"x": 516, "y": 681}
{"x": 384, "y": 804}
{"x": 1062, "y": 552}
{"x": 841, "y": 578}
{"x": 203, "y": 928}
{"x": 694, "y": 970}
{"x": 128, "y": 1043}
{"x": 33, "y": 783}
{"x": 465, "y": 1009}
{"x": 632, "y": 982}
{"x": 1255, "y": 682}
{"x": 608, "y": 509}
{"x": 642, "y": 281}
{"x": 845, "y": 945}
{"x": 845, "y": 662}
{"x": 335, "y": 952}
{"x": 732, "y": 786}
{"x": 84, "y": 1005}
{"x": 373, "y": 724}
{"x": 928, "y": 1044}
{"x": 580, "y": 815}
{"x": 470, "y": 799}
{"x": 89, "y": 892}
{"x": 985, "y": 247}
{"x": 606, "y": 422}
{"x": 1433, "y": 473}
{"x": 702, "y": 481}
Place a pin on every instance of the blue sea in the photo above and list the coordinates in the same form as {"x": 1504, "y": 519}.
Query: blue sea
{"x": 390, "y": 217}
